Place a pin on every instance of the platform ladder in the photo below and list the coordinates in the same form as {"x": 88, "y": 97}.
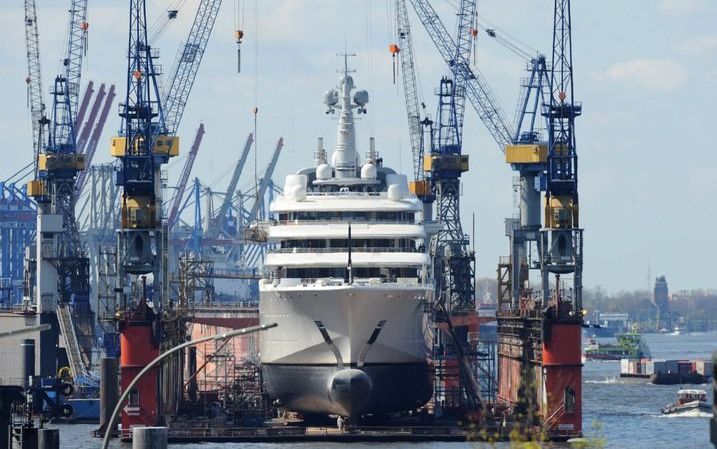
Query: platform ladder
{"x": 67, "y": 328}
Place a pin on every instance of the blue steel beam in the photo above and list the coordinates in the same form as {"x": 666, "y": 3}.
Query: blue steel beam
{"x": 477, "y": 90}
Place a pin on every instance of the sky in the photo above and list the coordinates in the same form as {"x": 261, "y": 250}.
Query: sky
{"x": 645, "y": 72}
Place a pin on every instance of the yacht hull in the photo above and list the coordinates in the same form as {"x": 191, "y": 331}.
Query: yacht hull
{"x": 346, "y": 349}
{"x": 308, "y": 388}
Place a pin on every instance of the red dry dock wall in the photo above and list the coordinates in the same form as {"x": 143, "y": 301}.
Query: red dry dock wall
{"x": 562, "y": 368}
{"x": 138, "y": 348}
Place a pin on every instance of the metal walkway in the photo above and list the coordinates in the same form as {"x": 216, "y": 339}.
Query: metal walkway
{"x": 67, "y": 328}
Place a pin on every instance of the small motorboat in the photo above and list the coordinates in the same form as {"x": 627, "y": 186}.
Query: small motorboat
{"x": 688, "y": 401}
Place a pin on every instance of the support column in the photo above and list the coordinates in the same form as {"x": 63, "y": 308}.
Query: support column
{"x": 149, "y": 438}
{"x": 109, "y": 390}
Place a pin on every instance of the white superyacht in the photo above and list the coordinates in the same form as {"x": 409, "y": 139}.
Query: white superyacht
{"x": 347, "y": 283}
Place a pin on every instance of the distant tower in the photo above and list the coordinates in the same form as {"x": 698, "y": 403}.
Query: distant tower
{"x": 661, "y": 299}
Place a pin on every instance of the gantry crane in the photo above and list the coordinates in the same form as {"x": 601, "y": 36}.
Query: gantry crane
{"x": 142, "y": 242}
{"x": 34, "y": 78}
{"x": 453, "y": 259}
{"x": 561, "y": 246}
{"x": 175, "y": 97}
{"x": 414, "y": 101}
{"x": 184, "y": 177}
{"x": 217, "y": 224}
{"x": 556, "y": 238}
{"x": 62, "y": 268}
{"x": 265, "y": 182}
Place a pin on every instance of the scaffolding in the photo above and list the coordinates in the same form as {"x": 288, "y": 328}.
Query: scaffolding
{"x": 107, "y": 306}
{"x": 196, "y": 282}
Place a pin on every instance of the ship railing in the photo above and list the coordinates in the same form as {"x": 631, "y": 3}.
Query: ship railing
{"x": 555, "y": 416}
{"x": 335, "y": 282}
{"x": 354, "y": 221}
{"x": 358, "y": 249}
{"x": 353, "y": 194}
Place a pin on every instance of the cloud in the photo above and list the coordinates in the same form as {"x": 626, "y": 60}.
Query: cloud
{"x": 654, "y": 74}
{"x": 683, "y": 7}
{"x": 700, "y": 46}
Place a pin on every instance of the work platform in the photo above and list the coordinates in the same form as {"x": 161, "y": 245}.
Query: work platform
{"x": 286, "y": 434}
{"x": 449, "y": 431}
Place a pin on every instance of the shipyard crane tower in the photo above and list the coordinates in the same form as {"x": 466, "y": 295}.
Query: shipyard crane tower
{"x": 62, "y": 276}
{"x": 561, "y": 246}
{"x": 142, "y": 148}
{"x": 34, "y": 78}
{"x": 440, "y": 184}
{"x": 155, "y": 138}
{"x": 540, "y": 329}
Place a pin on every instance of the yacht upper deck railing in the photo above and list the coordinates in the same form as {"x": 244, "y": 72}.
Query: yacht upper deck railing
{"x": 358, "y": 249}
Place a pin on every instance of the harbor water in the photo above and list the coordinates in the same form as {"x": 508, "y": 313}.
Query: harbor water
{"x": 617, "y": 413}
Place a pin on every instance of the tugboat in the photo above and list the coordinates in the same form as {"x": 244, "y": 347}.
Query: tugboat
{"x": 688, "y": 401}
{"x": 630, "y": 345}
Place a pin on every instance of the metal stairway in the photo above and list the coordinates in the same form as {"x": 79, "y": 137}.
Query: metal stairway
{"x": 67, "y": 328}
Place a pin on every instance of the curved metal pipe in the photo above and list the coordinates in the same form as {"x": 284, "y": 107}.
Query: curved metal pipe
{"x": 160, "y": 358}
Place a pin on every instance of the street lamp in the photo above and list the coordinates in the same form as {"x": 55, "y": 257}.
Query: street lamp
{"x": 164, "y": 355}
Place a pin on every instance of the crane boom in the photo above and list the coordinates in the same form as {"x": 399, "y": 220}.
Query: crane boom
{"x": 410, "y": 88}
{"x": 187, "y": 63}
{"x": 67, "y": 87}
{"x": 226, "y": 204}
{"x": 265, "y": 181}
{"x": 466, "y": 22}
{"x": 476, "y": 89}
{"x": 184, "y": 177}
{"x": 34, "y": 77}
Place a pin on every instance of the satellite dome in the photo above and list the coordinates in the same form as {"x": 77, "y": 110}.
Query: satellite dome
{"x": 361, "y": 97}
{"x": 323, "y": 171}
{"x": 368, "y": 171}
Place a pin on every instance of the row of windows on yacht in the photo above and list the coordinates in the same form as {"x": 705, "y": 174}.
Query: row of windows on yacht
{"x": 342, "y": 245}
{"x": 358, "y": 216}
{"x": 385, "y": 274}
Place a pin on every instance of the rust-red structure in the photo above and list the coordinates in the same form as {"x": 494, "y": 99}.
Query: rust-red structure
{"x": 139, "y": 346}
{"x": 562, "y": 368}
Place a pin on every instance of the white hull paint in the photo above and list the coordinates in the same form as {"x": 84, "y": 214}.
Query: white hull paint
{"x": 350, "y": 314}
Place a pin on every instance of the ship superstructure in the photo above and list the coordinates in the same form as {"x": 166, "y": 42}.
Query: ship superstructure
{"x": 348, "y": 282}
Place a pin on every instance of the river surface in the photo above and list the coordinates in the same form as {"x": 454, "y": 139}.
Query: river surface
{"x": 616, "y": 413}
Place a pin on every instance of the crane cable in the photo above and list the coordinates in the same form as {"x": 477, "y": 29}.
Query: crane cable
{"x": 256, "y": 97}
{"x": 160, "y": 24}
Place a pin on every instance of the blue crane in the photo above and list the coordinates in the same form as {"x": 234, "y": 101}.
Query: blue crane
{"x": 186, "y": 66}
{"x": 67, "y": 86}
{"x": 443, "y": 167}
{"x": 562, "y": 237}
{"x": 62, "y": 268}
{"x": 217, "y": 224}
{"x": 141, "y": 151}
{"x": 412, "y": 95}
{"x": 176, "y": 95}
{"x": 34, "y": 78}
{"x": 265, "y": 182}
{"x": 197, "y": 231}
{"x": 184, "y": 177}
{"x": 477, "y": 90}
